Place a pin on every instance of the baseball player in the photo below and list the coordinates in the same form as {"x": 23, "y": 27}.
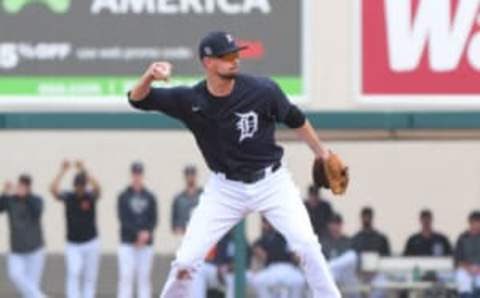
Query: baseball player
{"x": 467, "y": 259}
{"x": 137, "y": 212}
{"x": 232, "y": 117}
{"x": 185, "y": 201}
{"x": 280, "y": 269}
{"x": 83, "y": 249}
{"x": 427, "y": 242}
{"x": 26, "y": 261}
{"x": 369, "y": 239}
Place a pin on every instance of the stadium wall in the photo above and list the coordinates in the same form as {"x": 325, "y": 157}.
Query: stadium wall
{"x": 396, "y": 177}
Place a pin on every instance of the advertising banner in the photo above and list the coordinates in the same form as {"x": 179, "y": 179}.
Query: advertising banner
{"x": 91, "y": 51}
{"x": 418, "y": 51}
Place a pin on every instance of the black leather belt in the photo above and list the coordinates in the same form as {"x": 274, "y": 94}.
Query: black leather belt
{"x": 253, "y": 176}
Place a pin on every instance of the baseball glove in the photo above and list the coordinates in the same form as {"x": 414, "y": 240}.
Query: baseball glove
{"x": 331, "y": 173}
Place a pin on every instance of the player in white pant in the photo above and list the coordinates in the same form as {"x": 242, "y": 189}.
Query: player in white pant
{"x": 82, "y": 250}
{"x": 467, "y": 258}
{"x": 280, "y": 273}
{"x": 137, "y": 212}
{"x": 233, "y": 118}
{"x": 26, "y": 260}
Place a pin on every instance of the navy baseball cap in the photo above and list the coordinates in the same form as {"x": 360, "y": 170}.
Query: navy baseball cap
{"x": 217, "y": 44}
{"x": 137, "y": 168}
{"x": 25, "y": 179}
{"x": 190, "y": 169}
{"x": 474, "y": 216}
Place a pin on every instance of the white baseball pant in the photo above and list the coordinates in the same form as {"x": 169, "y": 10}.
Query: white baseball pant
{"x": 224, "y": 203}
{"x": 281, "y": 274}
{"x": 25, "y": 272}
{"x": 82, "y": 263}
{"x": 466, "y": 282}
{"x": 134, "y": 264}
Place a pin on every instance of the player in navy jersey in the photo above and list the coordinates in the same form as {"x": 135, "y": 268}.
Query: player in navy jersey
{"x": 232, "y": 117}
{"x": 82, "y": 253}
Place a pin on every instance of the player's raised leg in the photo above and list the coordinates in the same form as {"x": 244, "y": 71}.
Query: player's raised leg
{"x": 219, "y": 209}
{"x": 280, "y": 202}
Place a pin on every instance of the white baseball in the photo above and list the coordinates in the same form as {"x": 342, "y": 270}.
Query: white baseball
{"x": 161, "y": 70}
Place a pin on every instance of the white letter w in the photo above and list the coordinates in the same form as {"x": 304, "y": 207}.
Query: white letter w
{"x": 434, "y": 24}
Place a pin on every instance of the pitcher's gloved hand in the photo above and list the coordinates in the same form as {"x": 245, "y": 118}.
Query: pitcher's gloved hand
{"x": 331, "y": 173}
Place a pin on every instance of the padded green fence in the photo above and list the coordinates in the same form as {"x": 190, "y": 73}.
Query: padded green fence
{"x": 320, "y": 120}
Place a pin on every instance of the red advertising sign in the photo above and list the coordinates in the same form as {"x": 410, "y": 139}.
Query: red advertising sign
{"x": 424, "y": 48}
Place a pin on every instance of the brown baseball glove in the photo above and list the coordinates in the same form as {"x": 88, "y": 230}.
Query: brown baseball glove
{"x": 331, "y": 173}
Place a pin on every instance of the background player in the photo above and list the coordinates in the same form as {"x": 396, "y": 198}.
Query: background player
{"x": 467, "y": 259}
{"x": 26, "y": 261}
{"x": 427, "y": 242}
{"x": 368, "y": 238}
{"x": 185, "y": 201}
{"x": 137, "y": 212}
{"x": 83, "y": 249}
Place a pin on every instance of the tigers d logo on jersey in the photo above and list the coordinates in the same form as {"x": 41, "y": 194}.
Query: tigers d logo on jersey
{"x": 247, "y": 125}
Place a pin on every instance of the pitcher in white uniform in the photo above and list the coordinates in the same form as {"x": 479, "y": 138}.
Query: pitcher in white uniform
{"x": 232, "y": 117}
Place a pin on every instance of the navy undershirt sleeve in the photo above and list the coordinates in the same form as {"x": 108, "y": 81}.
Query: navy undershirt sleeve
{"x": 170, "y": 101}
{"x": 283, "y": 110}
{"x": 280, "y": 105}
{"x": 295, "y": 118}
